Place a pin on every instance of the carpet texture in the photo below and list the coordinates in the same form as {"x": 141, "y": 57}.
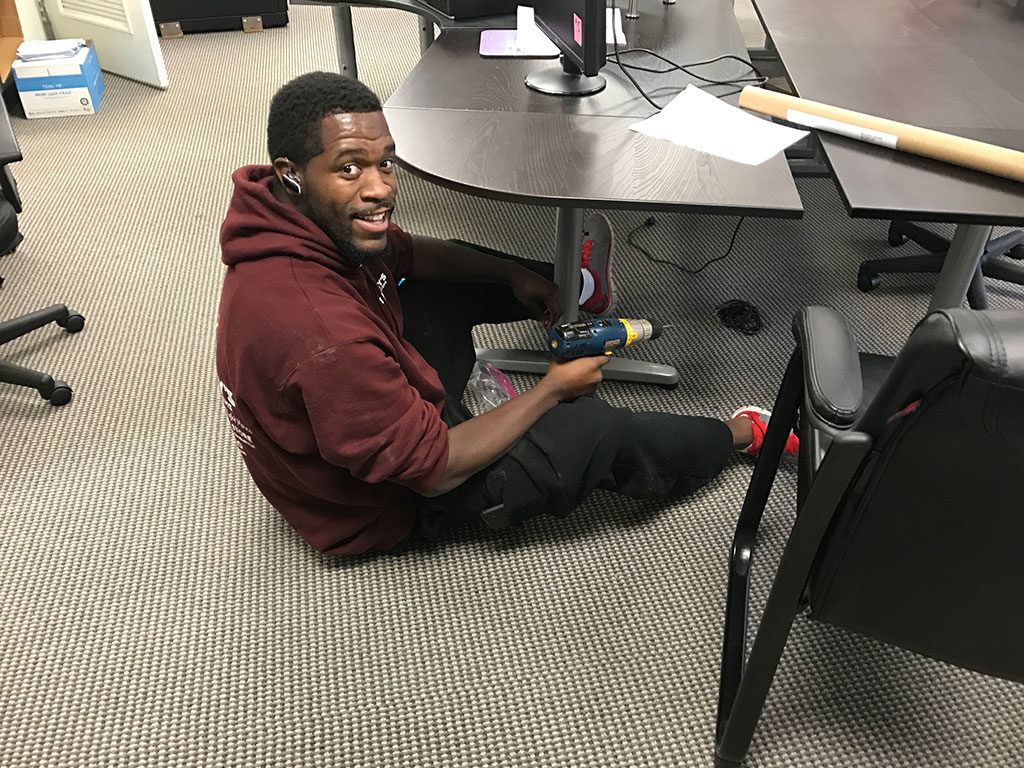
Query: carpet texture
{"x": 157, "y": 612}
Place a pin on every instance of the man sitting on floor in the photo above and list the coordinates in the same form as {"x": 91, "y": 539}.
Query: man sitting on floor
{"x": 344, "y": 390}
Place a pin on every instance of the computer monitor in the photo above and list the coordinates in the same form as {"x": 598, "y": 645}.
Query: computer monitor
{"x": 577, "y": 27}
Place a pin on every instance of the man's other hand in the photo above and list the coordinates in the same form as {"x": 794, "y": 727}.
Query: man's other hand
{"x": 570, "y": 379}
{"x": 477, "y": 442}
{"x": 538, "y": 295}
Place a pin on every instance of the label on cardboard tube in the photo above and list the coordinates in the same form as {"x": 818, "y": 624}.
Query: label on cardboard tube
{"x": 843, "y": 129}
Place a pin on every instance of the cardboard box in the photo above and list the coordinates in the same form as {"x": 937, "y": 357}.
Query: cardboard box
{"x": 58, "y": 87}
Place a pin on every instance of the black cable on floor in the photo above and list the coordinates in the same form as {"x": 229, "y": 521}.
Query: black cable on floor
{"x": 650, "y": 221}
{"x": 741, "y": 315}
{"x": 734, "y": 313}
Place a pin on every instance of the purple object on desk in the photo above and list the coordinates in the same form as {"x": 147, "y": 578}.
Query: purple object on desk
{"x": 499, "y": 42}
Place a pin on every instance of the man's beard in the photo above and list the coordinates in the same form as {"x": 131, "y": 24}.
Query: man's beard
{"x": 354, "y": 257}
{"x": 342, "y": 238}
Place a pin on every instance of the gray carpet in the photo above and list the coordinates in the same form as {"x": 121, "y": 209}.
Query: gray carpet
{"x": 157, "y": 612}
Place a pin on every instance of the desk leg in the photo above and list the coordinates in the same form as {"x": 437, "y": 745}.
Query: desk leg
{"x": 426, "y": 34}
{"x": 342, "y": 14}
{"x": 568, "y": 230}
{"x": 961, "y": 263}
{"x": 568, "y": 241}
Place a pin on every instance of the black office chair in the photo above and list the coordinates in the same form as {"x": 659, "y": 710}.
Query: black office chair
{"x": 909, "y": 529}
{"x": 995, "y": 262}
{"x": 57, "y": 392}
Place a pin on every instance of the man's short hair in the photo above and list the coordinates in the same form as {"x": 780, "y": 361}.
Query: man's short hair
{"x": 299, "y": 107}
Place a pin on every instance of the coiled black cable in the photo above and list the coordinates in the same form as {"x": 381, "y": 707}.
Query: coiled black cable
{"x": 741, "y": 315}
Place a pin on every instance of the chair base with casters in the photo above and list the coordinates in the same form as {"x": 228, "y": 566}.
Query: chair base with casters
{"x": 997, "y": 262}
{"x": 57, "y": 392}
{"x": 907, "y": 527}
{"x": 54, "y": 390}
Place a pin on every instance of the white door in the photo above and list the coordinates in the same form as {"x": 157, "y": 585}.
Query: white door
{"x": 122, "y": 31}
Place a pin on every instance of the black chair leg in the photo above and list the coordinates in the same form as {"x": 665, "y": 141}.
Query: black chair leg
{"x": 976, "y": 298}
{"x": 1003, "y": 269}
{"x": 734, "y": 641}
{"x": 745, "y": 680}
{"x": 758, "y": 673}
{"x": 1011, "y": 244}
{"x": 1006, "y": 244}
{"x": 994, "y": 266}
{"x": 784, "y": 600}
{"x": 901, "y": 231}
{"x": 56, "y": 313}
{"x": 56, "y": 391}
{"x": 868, "y": 274}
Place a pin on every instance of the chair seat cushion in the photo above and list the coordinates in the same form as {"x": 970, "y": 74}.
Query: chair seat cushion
{"x": 873, "y": 370}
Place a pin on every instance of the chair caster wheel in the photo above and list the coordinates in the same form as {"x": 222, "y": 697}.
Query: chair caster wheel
{"x": 1017, "y": 252}
{"x": 74, "y": 323}
{"x": 61, "y": 394}
{"x": 669, "y": 387}
{"x": 896, "y": 238}
{"x": 868, "y": 282}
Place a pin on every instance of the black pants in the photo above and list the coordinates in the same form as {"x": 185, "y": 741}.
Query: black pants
{"x": 573, "y": 449}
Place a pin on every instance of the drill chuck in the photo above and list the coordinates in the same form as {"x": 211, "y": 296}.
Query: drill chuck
{"x": 600, "y": 336}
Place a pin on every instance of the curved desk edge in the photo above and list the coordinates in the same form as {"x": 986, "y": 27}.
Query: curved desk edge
{"x": 647, "y": 161}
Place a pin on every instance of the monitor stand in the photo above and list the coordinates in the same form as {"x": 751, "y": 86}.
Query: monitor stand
{"x": 566, "y": 80}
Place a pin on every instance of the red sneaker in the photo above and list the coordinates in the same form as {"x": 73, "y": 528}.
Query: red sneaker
{"x": 759, "y": 418}
{"x": 596, "y": 257}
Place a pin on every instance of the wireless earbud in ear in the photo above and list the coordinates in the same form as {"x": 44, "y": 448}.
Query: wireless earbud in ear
{"x": 291, "y": 183}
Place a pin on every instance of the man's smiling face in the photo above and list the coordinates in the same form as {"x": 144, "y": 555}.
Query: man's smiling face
{"x": 349, "y": 189}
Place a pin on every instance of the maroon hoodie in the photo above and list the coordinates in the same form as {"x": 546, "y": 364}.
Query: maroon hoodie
{"x": 336, "y": 414}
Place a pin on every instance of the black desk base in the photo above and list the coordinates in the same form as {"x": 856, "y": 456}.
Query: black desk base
{"x": 529, "y": 361}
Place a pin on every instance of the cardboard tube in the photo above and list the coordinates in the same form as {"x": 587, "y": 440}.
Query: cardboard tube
{"x": 978, "y": 155}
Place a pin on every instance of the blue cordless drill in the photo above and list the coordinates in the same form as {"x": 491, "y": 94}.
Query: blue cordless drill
{"x": 600, "y": 336}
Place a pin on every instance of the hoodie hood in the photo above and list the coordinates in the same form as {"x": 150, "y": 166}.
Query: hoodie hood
{"x": 258, "y": 225}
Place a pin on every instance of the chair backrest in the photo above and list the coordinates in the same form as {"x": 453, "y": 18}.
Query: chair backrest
{"x": 926, "y": 550}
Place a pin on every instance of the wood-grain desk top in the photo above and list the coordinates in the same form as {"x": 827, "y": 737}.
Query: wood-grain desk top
{"x": 469, "y": 123}
{"x": 951, "y": 65}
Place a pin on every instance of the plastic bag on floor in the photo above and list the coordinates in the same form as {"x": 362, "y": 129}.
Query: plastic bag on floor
{"x": 489, "y": 387}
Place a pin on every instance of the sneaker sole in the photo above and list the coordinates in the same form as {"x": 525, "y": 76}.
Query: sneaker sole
{"x": 765, "y": 415}
{"x": 599, "y": 229}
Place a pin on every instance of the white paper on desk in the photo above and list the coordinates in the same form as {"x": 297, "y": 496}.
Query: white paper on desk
{"x": 700, "y": 121}
{"x": 529, "y": 40}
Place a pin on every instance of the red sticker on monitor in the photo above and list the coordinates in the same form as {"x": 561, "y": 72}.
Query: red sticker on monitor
{"x": 577, "y": 29}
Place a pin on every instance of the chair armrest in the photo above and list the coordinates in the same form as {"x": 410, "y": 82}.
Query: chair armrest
{"x": 833, "y": 385}
{"x": 10, "y": 152}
